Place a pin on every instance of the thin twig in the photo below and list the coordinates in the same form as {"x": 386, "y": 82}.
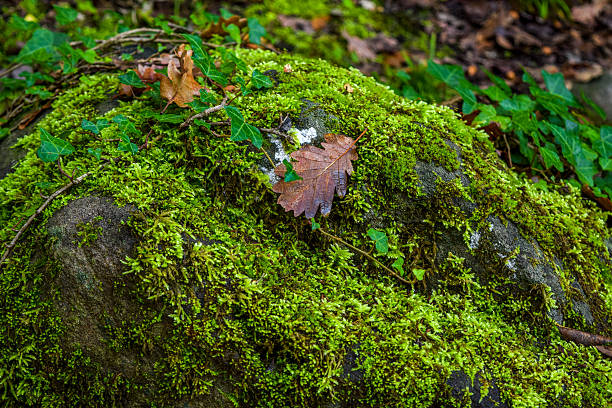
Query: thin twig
{"x": 269, "y": 159}
{"x": 277, "y": 133}
{"x": 205, "y": 113}
{"x": 10, "y": 69}
{"x": 370, "y": 257}
{"x": 11, "y": 245}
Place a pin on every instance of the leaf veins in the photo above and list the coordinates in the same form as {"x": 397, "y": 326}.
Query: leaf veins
{"x": 323, "y": 171}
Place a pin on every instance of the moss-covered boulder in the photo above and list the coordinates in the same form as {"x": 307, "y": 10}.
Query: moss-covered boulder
{"x": 171, "y": 277}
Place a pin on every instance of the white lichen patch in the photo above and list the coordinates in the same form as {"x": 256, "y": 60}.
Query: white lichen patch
{"x": 475, "y": 240}
{"x": 304, "y": 136}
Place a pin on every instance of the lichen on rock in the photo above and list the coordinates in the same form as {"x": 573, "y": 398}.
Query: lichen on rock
{"x": 217, "y": 297}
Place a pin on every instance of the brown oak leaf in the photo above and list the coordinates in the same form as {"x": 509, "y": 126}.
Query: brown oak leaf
{"x": 180, "y": 86}
{"x": 219, "y": 27}
{"x": 323, "y": 171}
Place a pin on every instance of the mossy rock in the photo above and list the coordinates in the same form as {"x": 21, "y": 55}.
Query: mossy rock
{"x": 218, "y": 297}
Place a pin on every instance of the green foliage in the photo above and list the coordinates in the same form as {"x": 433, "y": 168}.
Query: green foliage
{"x": 290, "y": 175}
{"x": 260, "y": 80}
{"x": 95, "y": 128}
{"x": 380, "y": 239}
{"x": 242, "y": 130}
{"x": 203, "y": 61}
{"x": 51, "y": 148}
{"x": 550, "y": 126}
{"x": 132, "y": 79}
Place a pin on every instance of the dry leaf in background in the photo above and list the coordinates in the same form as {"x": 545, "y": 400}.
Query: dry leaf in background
{"x": 323, "y": 171}
{"x": 180, "y": 86}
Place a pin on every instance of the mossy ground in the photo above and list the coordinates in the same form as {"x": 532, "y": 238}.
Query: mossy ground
{"x": 275, "y": 309}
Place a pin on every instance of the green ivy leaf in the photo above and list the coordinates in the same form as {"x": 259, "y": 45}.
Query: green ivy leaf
{"x": 499, "y": 82}
{"x": 65, "y": 15}
{"x": 40, "y": 91}
{"x": 556, "y": 85}
{"x": 399, "y": 265}
{"x": 126, "y": 145}
{"x": 232, "y": 59}
{"x": 95, "y": 128}
{"x": 495, "y": 93}
{"x": 20, "y": 24}
{"x": 256, "y": 30}
{"x": 380, "y": 239}
{"x": 315, "y": 225}
{"x": 41, "y": 47}
{"x": 487, "y": 114}
{"x": 517, "y": 103}
{"x": 603, "y": 146}
{"x": 51, "y": 148}
{"x": 203, "y": 60}
{"x": 131, "y": 78}
{"x": 234, "y": 32}
{"x": 260, "y": 80}
{"x": 419, "y": 273}
{"x": 97, "y": 153}
{"x": 572, "y": 150}
{"x": 242, "y": 130}
{"x": 550, "y": 157}
{"x": 290, "y": 175}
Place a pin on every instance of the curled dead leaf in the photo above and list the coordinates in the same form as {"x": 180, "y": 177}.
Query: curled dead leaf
{"x": 323, "y": 171}
{"x": 180, "y": 86}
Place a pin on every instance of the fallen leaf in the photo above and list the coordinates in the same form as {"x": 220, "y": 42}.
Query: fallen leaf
{"x": 297, "y": 23}
{"x": 287, "y": 68}
{"x": 586, "y": 13}
{"x": 323, "y": 171}
{"x": 220, "y": 26}
{"x": 360, "y": 47}
{"x": 180, "y": 86}
{"x": 348, "y": 88}
{"x": 319, "y": 23}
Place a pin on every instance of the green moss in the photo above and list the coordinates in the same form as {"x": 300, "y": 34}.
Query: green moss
{"x": 272, "y": 310}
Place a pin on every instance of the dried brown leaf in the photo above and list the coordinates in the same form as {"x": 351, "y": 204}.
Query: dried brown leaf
{"x": 323, "y": 171}
{"x": 180, "y": 86}
{"x": 219, "y": 26}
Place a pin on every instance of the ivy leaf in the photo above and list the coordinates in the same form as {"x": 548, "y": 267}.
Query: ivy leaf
{"x": 603, "y": 146}
{"x": 486, "y": 115}
{"x": 21, "y": 24}
{"x": 399, "y": 265}
{"x": 65, "y": 15}
{"x": 242, "y": 130}
{"x": 97, "y": 153}
{"x": 41, "y": 47}
{"x": 323, "y": 171}
{"x": 556, "y": 85}
{"x": 95, "y": 128}
{"x": 126, "y": 145}
{"x": 51, "y": 148}
{"x": 495, "y": 93}
{"x": 261, "y": 81}
{"x": 499, "y": 82}
{"x": 131, "y": 78}
{"x": 419, "y": 273}
{"x": 550, "y": 157}
{"x": 574, "y": 153}
{"x": 256, "y": 30}
{"x": 380, "y": 239}
{"x": 290, "y": 175}
{"x": 203, "y": 60}
{"x": 315, "y": 225}
{"x": 234, "y": 32}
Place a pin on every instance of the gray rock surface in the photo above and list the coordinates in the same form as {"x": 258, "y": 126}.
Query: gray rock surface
{"x": 599, "y": 90}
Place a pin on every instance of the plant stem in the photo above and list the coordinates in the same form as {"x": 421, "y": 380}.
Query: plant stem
{"x": 370, "y": 257}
